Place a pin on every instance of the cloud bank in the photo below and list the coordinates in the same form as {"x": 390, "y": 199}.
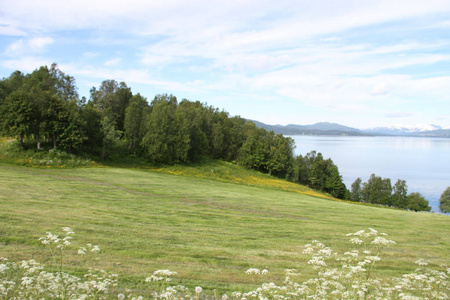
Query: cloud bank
{"x": 278, "y": 62}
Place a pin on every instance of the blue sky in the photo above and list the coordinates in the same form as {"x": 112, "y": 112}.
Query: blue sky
{"x": 357, "y": 63}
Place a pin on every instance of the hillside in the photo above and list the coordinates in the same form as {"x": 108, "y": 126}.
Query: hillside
{"x": 322, "y": 128}
{"x": 209, "y": 222}
{"x": 326, "y": 128}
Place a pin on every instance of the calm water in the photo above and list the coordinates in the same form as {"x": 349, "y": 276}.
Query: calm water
{"x": 423, "y": 162}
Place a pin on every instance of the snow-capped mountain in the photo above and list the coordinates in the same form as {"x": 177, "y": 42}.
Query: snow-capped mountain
{"x": 326, "y": 128}
{"x": 403, "y": 129}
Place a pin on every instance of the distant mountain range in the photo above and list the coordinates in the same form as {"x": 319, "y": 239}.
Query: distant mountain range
{"x": 325, "y": 128}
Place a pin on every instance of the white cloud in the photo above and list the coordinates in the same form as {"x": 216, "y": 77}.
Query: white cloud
{"x": 304, "y": 52}
{"x": 90, "y": 54}
{"x": 25, "y": 46}
{"x": 399, "y": 115}
{"x": 112, "y": 62}
{"x": 15, "y": 47}
{"x": 40, "y": 42}
{"x": 293, "y": 18}
{"x": 380, "y": 89}
{"x": 11, "y": 31}
{"x": 25, "y": 64}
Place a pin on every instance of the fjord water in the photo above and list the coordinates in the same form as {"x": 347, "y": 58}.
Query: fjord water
{"x": 423, "y": 162}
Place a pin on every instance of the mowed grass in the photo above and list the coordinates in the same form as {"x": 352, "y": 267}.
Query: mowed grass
{"x": 208, "y": 223}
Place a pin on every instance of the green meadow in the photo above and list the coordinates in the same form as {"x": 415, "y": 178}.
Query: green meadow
{"x": 210, "y": 223}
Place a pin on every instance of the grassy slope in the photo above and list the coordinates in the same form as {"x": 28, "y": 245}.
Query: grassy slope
{"x": 193, "y": 221}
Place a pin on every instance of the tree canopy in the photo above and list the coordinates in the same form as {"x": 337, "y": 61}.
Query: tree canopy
{"x": 379, "y": 190}
{"x": 444, "y": 201}
{"x": 44, "y": 107}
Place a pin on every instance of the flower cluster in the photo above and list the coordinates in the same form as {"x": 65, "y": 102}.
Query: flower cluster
{"x": 60, "y": 243}
{"x": 352, "y": 279}
{"x": 90, "y": 248}
{"x": 161, "y": 275}
{"x": 33, "y": 282}
{"x": 254, "y": 271}
{"x": 339, "y": 276}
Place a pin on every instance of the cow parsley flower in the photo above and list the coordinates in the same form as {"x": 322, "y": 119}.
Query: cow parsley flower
{"x": 68, "y": 230}
{"x": 421, "y": 262}
{"x": 95, "y": 249}
{"x": 382, "y": 241}
{"x": 253, "y": 271}
{"x": 356, "y": 241}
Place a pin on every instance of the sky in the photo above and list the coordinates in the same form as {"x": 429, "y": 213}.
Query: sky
{"x": 357, "y": 63}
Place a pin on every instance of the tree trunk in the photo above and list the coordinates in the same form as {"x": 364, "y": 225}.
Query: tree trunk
{"x": 21, "y": 138}
{"x": 54, "y": 141}
{"x": 38, "y": 141}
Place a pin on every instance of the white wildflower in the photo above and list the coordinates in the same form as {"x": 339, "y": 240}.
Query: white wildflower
{"x": 253, "y": 271}
{"x": 198, "y": 289}
{"x": 308, "y": 250}
{"x": 356, "y": 241}
{"x": 3, "y": 268}
{"x": 359, "y": 233}
{"x": 422, "y": 262}
{"x": 67, "y": 230}
{"x": 164, "y": 272}
{"x": 372, "y": 232}
{"x": 382, "y": 241}
{"x": 325, "y": 251}
{"x": 317, "y": 261}
{"x": 353, "y": 253}
{"x": 373, "y": 258}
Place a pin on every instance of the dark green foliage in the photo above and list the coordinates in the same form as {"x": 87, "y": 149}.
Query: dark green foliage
{"x": 111, "y": 136}
{"x": 334, "y": 184}
{"x": 225, "y": 134}
{"x": 302, "y": 166}
{"x": 379, "y": 191}
{"x": 166, "y": 139}
{"x": 10, "y": 84}
{"x": 191, "y": 118}
{"x": 254, "y": 151}
{"x": 281, "y": 155}
{"x": 356, "y": 190}
{"x": 417, "y": 202}
{"x": 134, "y": 126}
{"x": 319, "y": 173}
{"x": 265, "y": 151}
{"x": 42, "y": 105}
{"x": 399, "y": 194}
{"x": 444, "y": 201}
{"x": 112, "y": 99}
{"x": 45, "y": 106}
{"x": 18, "y": 113}
{"x": 91, "y": 125}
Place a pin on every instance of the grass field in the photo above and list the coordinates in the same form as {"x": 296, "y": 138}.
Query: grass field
{"x": 208, "y": 223}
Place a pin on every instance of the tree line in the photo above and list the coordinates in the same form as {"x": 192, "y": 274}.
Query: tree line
{"x": 45, "y": 107}
{"x": 379, "y": 190}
